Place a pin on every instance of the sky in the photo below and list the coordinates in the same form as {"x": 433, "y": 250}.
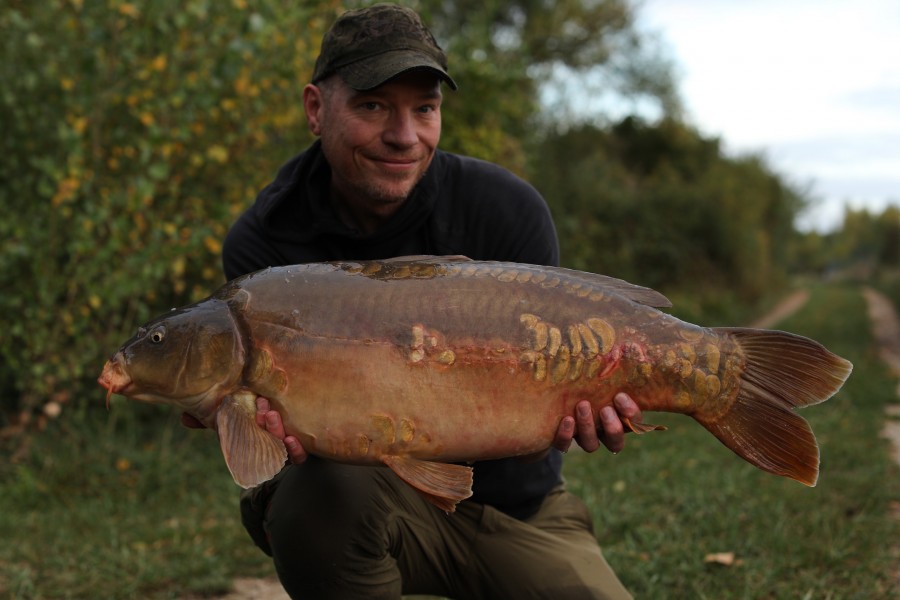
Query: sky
{"x": 814, "y": 85}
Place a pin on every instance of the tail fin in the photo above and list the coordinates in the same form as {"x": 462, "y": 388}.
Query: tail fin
{"x": 783, "y": 371}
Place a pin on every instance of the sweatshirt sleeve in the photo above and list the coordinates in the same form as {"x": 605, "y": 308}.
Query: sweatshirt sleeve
{"x": 496, "y": 214}
{"x": 246, "y": 248}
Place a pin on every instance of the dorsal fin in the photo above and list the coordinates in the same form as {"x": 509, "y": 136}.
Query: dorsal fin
{"x": 636, "y": 293}
{"x": 429, "y": 258}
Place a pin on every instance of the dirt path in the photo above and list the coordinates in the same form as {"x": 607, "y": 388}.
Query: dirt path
{"x": 886, "y": 331}
{"x": 256, "y": 589}
{"x": 788, "y": 306}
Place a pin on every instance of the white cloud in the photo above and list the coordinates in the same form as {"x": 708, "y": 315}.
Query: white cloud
{"x": 814, "y": 84}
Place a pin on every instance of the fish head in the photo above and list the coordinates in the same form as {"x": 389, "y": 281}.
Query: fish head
{"x": 190, "y": 358}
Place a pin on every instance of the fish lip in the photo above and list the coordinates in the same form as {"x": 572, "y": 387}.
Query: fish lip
{"x": 114, "y": 378}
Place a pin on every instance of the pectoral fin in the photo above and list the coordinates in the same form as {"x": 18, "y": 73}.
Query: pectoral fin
{"x": 253, "y": 455}
{"x": 442, "y": 484}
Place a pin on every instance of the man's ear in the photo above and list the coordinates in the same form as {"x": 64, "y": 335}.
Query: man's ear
{"x": 312, "y": 104}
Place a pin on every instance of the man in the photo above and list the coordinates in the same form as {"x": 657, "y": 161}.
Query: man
{"x": 375, "y": 185}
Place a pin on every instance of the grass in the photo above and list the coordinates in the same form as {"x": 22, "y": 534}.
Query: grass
{"x": 129, "y": 504}
{"x": 124, "y": 505}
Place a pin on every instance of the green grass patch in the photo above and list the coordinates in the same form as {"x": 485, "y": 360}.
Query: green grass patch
{"x": 129, "y": 504}
{"x": 672, "y": 498}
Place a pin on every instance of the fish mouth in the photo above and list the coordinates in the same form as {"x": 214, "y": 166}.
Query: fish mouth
{"x": 114, "y": 378}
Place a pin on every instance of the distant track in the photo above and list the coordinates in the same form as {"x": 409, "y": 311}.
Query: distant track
{"x": 784, "y": 309}
{"x": 886, "y": 331}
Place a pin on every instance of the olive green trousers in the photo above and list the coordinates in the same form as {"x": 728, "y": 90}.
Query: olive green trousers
{"x": 346, "y": 532}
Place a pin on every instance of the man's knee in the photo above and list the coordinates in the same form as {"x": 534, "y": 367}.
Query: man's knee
{"x": 316, "y": 508}
{"x": 325, "y": 524}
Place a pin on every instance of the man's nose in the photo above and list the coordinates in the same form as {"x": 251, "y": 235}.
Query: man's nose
{"x": 401, "y": 130}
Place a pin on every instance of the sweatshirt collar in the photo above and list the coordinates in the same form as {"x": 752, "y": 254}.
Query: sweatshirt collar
{"x": 297, "y": 205}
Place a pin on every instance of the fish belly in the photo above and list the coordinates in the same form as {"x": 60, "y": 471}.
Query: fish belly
{"x": 358, "y": 402}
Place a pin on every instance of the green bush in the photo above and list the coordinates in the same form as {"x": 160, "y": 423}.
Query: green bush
{"x": 133, "y": 135}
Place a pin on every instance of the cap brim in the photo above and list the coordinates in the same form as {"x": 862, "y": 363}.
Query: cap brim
{"x": 369, "y": 73}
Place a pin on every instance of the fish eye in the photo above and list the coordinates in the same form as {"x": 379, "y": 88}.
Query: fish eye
{"x": 157, "y": 335}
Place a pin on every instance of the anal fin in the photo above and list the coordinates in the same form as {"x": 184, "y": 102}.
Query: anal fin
{"x": 253, "y": 455}
{"x": 441, "y": 484}
{"x": 640, "y": 428}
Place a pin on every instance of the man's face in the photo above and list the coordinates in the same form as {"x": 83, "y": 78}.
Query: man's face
{"x": 380, "y": 142}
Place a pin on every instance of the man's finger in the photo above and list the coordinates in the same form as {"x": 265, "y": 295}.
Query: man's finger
{"x": 274, "y": 425}
{"x": 295, "y": 450}
{"x": 613, "y": 432}
{"x": 564, "y": 434}
{"x": 587, "y": 428}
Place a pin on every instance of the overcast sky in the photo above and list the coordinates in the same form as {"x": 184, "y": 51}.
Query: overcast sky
{"x": 813, "y": 84}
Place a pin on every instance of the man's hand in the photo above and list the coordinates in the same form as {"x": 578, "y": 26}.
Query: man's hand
{"x": 269, "y": 420}
{"x": 583, "y": 429}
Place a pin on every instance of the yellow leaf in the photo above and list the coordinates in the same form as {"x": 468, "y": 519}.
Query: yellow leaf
{"x": 79, "y": 124}
{"x": 178, "y": 266}
{"x": 159, "y": 63}
{"x": 139, "y": 221}
{"x": 94, "y": 301}
{"x": 212, "y": 244}
{"x": 67, "y": 83}
{"x": 129, "y": 10}
{"x": 721, "y": 558}
{"x": 65, "y": 190}
{"x": 217, "y": 153}
{"x": 147, "y": 119}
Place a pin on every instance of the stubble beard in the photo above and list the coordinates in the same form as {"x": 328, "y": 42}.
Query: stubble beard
{"x": 388, "y": 191}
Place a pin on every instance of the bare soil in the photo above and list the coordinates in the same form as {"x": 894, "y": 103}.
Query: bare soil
{"x": 256, "y": 589}
{"x": 886, "y": 331}
{"x": 788, "y": 306}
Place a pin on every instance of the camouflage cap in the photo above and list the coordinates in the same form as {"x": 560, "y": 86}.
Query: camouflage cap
{"x": 370, "y": 45}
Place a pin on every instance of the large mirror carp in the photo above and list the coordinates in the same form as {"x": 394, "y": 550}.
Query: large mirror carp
{"x": 426, "y": 363}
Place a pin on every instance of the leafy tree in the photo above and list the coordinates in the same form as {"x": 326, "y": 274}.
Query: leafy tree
{"x": 865, "y": 242}
{"x": 663, "y": 206}
{"x": 506, "y": 54}
{"x": 134, "y": 133}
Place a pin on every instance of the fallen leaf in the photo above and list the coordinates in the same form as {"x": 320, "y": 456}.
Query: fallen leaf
{"x": 720, "y": 558}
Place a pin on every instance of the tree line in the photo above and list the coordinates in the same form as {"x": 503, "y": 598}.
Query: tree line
{"x": 136, "y": 132}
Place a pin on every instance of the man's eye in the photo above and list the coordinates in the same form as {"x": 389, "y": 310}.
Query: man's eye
{"x": 370, "y": 105}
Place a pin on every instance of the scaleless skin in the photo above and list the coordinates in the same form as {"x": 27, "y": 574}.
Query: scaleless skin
{"x": 419, "y": 362}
